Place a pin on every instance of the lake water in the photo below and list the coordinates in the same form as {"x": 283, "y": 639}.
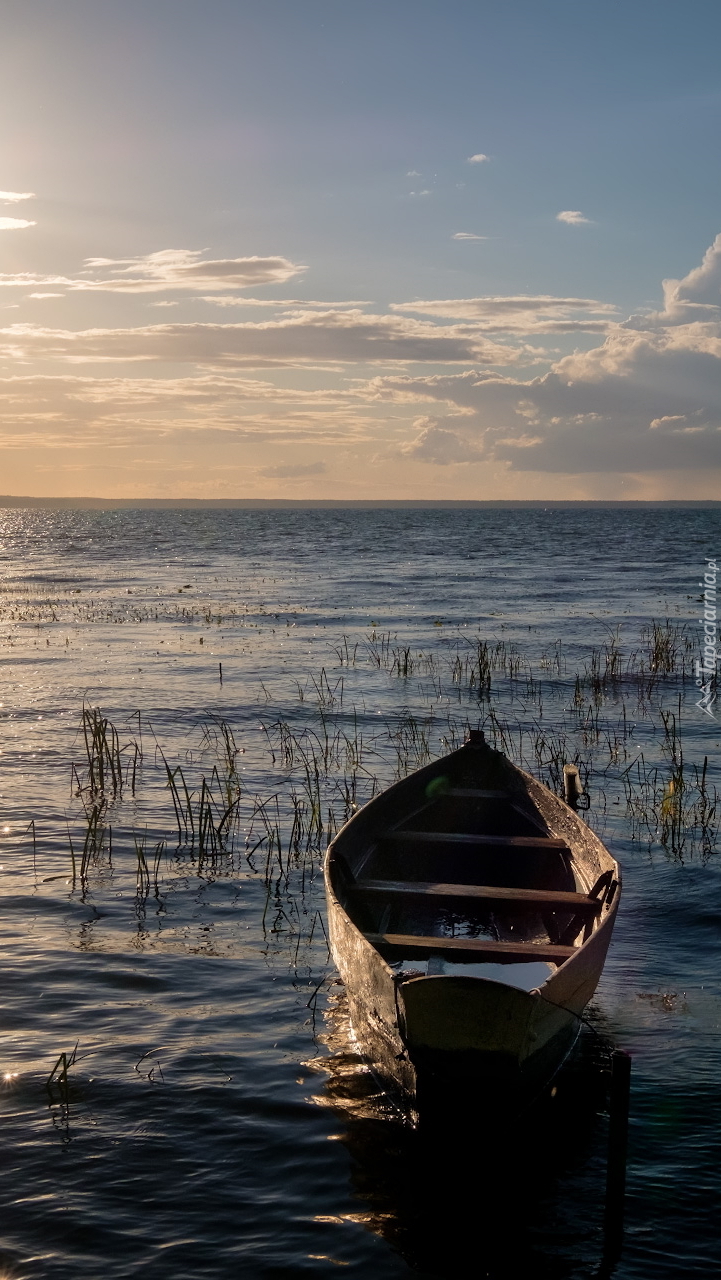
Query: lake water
{"x": 279, "y": 667}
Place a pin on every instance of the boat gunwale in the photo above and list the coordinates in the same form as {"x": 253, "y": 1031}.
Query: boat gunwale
{"x": 603, "y": 922}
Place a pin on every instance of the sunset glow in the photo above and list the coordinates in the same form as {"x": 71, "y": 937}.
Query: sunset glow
{"x": 259, "y": 253}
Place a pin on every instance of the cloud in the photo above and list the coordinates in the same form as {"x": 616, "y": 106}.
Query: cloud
{"x": 478, "y": 158}
{"x": 329, "y": 337}
{"x": 539, "y": 313}
{"x": 439, "y": 445}
{"x": 419, "y": 193}
{"x": 573, "y": 217}
{"x": 700, "y": 288}
{"x": 644, "y": 400}
{"x": 15, "y": 224}
{"x": 467, "y": 235}
{"x": 12, "y": 197}
{"x": 160, "y": 272}
{"x": 223, "y": 300}
{"x": 293, "y": 471}
{"x": 186, "y": 269}
{"x": 413, "y": 173}
{"x": 645, "y": 397}
{"x": 680, "y": 423}
{"x": 75, "y": 411}
{"x": 28, "y": 279}
{"x": 696, "y": 298}
{"x": 46, "y": 295}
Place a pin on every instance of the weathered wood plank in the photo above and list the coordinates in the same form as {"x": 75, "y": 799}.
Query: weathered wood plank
{"x": 469, "y": 948}
{"x": 548, "y": 899}
{"x": 457, "y": 837}
{"x": 474, "y": 793}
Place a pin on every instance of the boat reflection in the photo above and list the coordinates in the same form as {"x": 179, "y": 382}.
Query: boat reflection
{"x": 471, "y": 1192}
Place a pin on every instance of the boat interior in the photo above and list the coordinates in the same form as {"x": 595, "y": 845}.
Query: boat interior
{"x": 472, "y": 882}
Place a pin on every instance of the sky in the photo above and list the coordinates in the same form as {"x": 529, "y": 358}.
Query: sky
{"x": 399, "y": 249}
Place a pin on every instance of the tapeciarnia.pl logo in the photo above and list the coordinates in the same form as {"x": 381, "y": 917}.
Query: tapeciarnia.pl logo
{"x": 706, "y": 670}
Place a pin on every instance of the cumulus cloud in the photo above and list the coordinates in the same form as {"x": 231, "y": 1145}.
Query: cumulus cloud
{"x": 293, "y": 471}
{"x": 646, "y": 399}
{"x": 12, "y": 197}
{"x": 478, "y": 158}
{"x": 695, "y": 299}
{"x": 601, "y": 414}
{"x": 573, "y": 217}
{"x": 439, "y": 445}
{"x": 467, "y": 235}
{"x": 539, "y": 313}
{"x": 701, "y": 288}
{"x": 15, "y": 224}
{"x": 330, "y": 337}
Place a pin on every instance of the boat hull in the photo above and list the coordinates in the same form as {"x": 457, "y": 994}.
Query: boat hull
{"x": 450, "y": 1034}
{"x": 430, "y": 1035}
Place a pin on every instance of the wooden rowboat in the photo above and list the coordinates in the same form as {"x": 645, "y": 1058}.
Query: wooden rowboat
{"x": 470, "y": 914}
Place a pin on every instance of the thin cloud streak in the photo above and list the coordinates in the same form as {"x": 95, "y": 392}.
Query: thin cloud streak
{"x": 540, "y": 313}
{"x": 293, "y": 471}
{"x": 77, "y": 410}
{"x": 327, "y": 305}
{"x": 332, "y": 337}
{"x": 168, "y": 269}
{"x": 185, "y": 269}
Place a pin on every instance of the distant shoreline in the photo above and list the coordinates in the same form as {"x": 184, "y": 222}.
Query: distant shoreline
{"x": 363, "y": 504}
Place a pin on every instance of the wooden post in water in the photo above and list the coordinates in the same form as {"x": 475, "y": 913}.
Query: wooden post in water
{"x": 571, "y": 785}
{"x": 617, "y": 1152}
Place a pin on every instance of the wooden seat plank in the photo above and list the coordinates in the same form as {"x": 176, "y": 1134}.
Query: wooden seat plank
{"x": 458, "y": 837}
{"x": 474, "y": 793}
{"x": 469, "y": 793}
{"x": 470, "y": 948}
{"x": 540, "y": 899}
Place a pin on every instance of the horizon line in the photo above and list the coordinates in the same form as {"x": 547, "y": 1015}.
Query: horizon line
{"x": 9, "y": 501}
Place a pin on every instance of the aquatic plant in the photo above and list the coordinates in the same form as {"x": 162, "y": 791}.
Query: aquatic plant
{"x": 109, "y": 766}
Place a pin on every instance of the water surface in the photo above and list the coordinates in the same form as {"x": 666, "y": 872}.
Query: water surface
{"x": 216, "y": 1120}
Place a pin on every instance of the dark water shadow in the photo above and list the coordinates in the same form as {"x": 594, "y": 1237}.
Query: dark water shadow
{"x": 476, "y": 1193}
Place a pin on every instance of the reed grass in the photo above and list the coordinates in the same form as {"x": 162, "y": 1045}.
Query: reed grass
{"x": 203, "y": 818}
{"x": 109, "y": 767}
{"x": 673, "y": 805}
{"x": 59, "y": 1077}
{"x": 323, "y": 757}
{"x": 147, "y": 871}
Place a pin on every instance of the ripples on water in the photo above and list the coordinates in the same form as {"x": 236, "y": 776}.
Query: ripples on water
{"x": 216, "y": 1120}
